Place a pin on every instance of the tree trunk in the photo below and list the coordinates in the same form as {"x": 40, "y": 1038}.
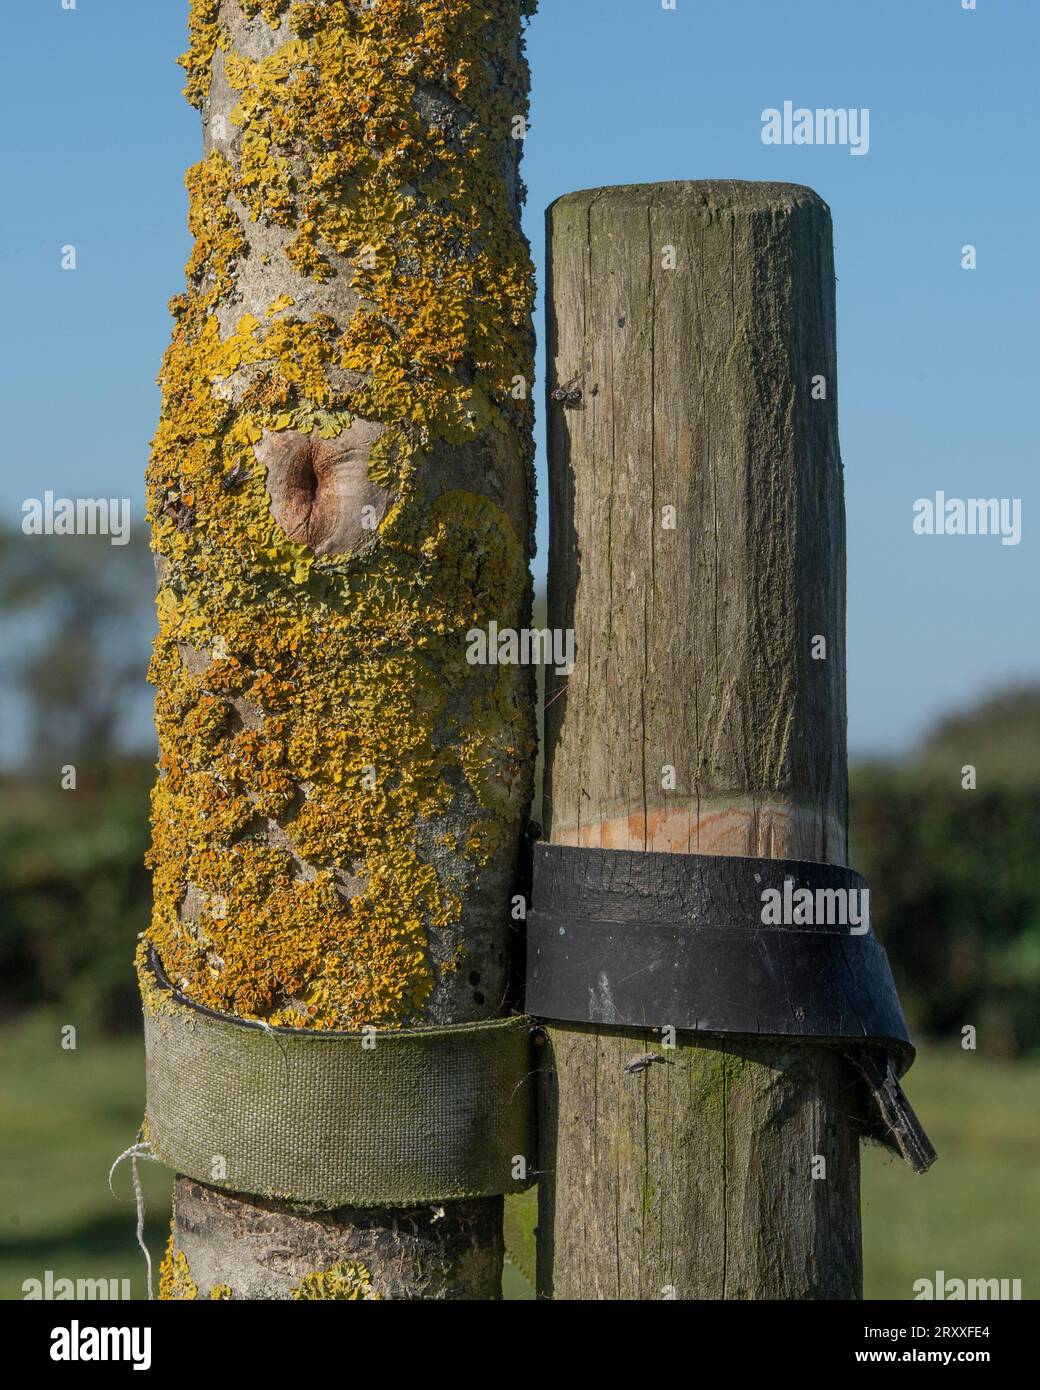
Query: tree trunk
{"x": 340, "y": 488}
{"x": 697, "y": 321}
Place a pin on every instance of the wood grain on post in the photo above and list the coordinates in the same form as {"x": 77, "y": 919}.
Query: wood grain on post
{"x": 697, "y": 549}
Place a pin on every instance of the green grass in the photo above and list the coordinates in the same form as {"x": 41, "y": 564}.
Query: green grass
{"x": 64, "y": 1118}
{"x": 65, "y": 1115}
{"x": 976, "y": 1213}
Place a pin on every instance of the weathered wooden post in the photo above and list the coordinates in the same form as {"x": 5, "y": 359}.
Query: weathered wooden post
{"x": 697, "y": 549}
{"x": 340, "y": 488}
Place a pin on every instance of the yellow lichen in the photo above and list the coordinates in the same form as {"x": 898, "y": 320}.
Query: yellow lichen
{"x": 346, "y": 1280}
{"x": 314, "y": 713}
{"x": 175, "y": 1281}
{"x": 203, "y": 36}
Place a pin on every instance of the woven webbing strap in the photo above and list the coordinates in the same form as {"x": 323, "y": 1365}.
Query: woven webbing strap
{"x": 328, "y": 1119}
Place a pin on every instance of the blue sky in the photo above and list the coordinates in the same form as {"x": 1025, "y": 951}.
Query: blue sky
{"x": 937, "y": 365}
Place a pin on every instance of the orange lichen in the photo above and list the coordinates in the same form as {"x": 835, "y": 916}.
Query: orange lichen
{"x": 316, "y": 713}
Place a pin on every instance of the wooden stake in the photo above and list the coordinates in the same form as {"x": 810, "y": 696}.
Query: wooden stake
{"x": 697, "y": 549}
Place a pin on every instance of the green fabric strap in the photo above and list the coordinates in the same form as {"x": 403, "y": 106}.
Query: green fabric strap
{"x": 328, "y": 1119}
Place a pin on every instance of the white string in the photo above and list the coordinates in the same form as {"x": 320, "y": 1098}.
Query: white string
{"x": 133, "y": 1153}
{"x": 266, "y": 1028}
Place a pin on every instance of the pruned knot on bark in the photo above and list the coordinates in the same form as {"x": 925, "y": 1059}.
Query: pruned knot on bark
{"x": 320, "y": 491}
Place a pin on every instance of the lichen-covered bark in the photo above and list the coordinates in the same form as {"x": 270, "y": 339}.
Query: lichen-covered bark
{"x": 340, "y": 487}
{"x": 694, "y": 318}
{"x": 256, "y": 1250}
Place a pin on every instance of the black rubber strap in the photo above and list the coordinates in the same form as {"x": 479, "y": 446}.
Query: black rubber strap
{"x": 633, "y": 939}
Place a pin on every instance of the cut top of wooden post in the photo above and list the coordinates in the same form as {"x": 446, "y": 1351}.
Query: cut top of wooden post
{"x": 697, "y": 544}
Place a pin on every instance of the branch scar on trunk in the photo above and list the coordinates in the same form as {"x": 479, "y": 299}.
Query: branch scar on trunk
{"x": 320, "y": 491}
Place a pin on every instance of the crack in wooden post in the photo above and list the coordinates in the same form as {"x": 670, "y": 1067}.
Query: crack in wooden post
{"x": 698, "y": 316}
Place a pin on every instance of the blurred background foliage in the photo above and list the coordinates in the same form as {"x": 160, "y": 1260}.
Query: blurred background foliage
{"x": 955, "y": 873}
{"x": 77, "y": 618}
{"x": 955, "y": 897}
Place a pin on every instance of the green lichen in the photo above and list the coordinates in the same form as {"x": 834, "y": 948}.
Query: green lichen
{"x": 717, "y": 1075}
{"x": 285, "y": 678}
{"x": 346, "y": 1280}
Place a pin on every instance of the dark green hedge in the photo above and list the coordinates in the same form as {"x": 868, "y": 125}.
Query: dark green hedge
{"x": 74, "y": 894}
{"x": 955, "y": 897}
{"x": 954, "y": 875}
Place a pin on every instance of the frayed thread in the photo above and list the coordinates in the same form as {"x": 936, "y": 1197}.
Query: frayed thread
{"x": 140, "y": 1149}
